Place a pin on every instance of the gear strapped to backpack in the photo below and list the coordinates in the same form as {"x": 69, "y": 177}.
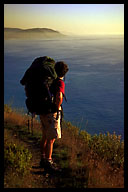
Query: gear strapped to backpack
{"x": 37, "y": 81}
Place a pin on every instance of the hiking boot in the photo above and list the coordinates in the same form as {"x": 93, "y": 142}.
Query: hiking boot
{"x": 51, "y": 166}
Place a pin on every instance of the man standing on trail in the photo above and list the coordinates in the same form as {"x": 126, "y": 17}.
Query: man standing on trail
{"x": 51, "y": 122}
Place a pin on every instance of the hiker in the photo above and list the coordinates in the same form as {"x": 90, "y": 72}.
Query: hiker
{"x": 51, "y": 122}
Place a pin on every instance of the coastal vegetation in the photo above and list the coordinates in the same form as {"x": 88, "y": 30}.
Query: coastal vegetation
{"x": 87, "y": 161}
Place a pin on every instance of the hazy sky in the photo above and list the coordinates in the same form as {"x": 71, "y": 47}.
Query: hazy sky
{"x": 79, "y": 19}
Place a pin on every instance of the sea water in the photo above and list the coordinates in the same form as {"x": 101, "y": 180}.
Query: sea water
{"x": 94, "y": 85}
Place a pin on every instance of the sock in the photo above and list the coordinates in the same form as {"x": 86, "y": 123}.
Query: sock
{"x": 49, "y": 160}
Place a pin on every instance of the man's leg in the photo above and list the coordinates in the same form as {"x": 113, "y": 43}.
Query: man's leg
{"x": 43, "y": 146}
{"x": 49, "y": 148}
{"x": 50, "y": 165}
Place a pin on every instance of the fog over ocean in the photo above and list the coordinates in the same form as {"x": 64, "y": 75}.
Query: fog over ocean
{"x": 94, "y": 83}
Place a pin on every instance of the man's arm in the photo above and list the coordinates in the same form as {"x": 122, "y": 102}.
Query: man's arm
{"x": 59, "y": 100}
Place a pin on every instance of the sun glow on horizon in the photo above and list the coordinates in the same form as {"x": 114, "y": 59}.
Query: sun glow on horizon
{"x": 77, "y": 19}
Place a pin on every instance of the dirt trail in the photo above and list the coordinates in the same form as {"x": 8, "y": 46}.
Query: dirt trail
{"x": 37, "y": 177}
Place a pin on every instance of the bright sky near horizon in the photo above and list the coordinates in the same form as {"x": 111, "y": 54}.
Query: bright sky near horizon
{"x": 77, "y": 19}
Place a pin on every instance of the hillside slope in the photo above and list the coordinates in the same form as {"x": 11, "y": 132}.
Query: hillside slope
{"x": 14, "y": 33}
{"x": 86, "y": 161}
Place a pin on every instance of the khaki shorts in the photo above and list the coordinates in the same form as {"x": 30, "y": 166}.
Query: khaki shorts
{"x": 50, "y": 126}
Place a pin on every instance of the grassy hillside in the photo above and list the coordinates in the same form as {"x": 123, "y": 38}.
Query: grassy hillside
{"x": 86, "y": 161}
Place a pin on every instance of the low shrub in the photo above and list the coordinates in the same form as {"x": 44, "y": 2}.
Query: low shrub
{"x": 109, "y": 147}
{"x": 16, "y": 157}
{"x": 7, "y": 108}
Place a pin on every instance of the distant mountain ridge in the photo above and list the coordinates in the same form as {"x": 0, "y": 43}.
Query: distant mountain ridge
{"x": 31, "y": 33}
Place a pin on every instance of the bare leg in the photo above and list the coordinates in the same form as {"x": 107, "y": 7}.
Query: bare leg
{"x": 43, "y": 145}
{"x": 49, "y": 148}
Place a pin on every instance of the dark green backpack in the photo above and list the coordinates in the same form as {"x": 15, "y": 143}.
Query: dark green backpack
{"x": 37, "y": 80}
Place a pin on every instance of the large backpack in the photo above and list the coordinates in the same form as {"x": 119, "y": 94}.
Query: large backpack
{"x": 37, "y": 80}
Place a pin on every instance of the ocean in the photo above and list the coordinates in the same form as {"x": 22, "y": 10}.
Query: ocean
{"x": 94, "y": 85}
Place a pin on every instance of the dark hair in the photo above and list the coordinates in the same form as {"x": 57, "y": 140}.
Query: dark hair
{"x": 61, "y": 68}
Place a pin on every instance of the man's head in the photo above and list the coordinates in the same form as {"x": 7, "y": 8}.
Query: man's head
{"x": 61, "y": 68}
